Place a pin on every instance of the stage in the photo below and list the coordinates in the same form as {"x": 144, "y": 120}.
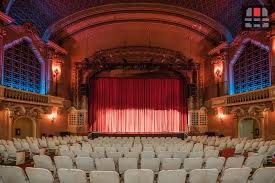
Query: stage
{"x": 181, "y": 135}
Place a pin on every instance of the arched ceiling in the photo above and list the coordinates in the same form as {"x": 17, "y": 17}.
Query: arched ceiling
{"x": 44, "y": 13}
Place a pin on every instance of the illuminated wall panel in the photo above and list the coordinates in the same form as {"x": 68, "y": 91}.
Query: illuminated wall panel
{"x": 22, "y": 70}
{"x": 252, "y": 69}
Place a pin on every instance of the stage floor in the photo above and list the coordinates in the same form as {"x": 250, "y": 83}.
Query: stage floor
{"x": 137, "y": 134}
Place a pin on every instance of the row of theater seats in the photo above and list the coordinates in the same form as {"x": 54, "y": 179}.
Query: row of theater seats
{"x": 15, "y": 174}
{"x": 88, "y": 164}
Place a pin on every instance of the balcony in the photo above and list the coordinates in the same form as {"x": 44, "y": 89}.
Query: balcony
{"x": 19, "y": 96}
{"x": 257, "y": 96}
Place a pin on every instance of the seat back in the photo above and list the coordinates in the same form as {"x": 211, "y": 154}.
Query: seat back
{"x": 12, "y": 174}
{"x": 104, "y": 177}
{"x": 43, "y": 161}
{"x": 164, "y": 154}
{"x": 139, "y": 176}
{"x": 192, "y": 163}
{"x": 39, "y": 175}
{"x": 175, "y": 176}
{"x": 63, "y": 162}
{"x": 150, "y": 163}
{"x": 126, "y": 164}
{"x": 133, "y": 154}
{"x": 238, "y": 175}
{"x": 196, "y": 154}
{"x": 266, "y": 175}
{"x": 105, "y": 164}
{"x": 204, "y": 175}
{"x": 147, "y": 154}
{"x": 171, "y": 163}
{"x": 254, "y": 162}
{"x": 85, "y": 163}
{"x": 215, "y": 163}
{"x": 234, "y": 162}
{"x": 71, "y": 176}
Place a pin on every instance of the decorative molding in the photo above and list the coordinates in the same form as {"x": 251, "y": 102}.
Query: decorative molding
{"x": 56, "y": 47}
{"x": 6, "y": 19}
{"x": 103, "y": 15}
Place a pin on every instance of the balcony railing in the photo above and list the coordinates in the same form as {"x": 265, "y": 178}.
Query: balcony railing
{"x": 19, "y": 96}
{"x": 257, "y": 96}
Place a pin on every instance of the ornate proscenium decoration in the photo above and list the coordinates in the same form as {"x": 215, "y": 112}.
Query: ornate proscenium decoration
{"x": 56, "y": 69}
{"x": 217, "y": 62}
{"x": 133, "y": 58}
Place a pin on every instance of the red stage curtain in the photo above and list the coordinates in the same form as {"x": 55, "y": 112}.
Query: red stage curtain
{"x": 137, "y": 105}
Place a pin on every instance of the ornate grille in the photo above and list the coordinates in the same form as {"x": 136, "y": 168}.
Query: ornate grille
{"x": 252, "y": 69}
{"x": 77, "y": 117}
{"x": 22, "y": 70}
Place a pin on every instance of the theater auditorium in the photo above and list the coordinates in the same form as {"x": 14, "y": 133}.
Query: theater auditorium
{"x": 137, "y": 91}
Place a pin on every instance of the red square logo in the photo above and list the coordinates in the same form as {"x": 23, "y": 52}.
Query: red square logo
{"x": 256, "y": 12}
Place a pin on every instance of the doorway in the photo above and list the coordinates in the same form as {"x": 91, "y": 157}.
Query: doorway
{"x": 24, "y": 127}
{"x": 249, "y": 128}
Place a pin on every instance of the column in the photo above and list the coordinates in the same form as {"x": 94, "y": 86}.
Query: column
{"x": 2, "y": 34}
{"x": 272, "y": 55}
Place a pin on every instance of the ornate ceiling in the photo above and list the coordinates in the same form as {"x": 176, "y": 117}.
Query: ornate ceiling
{"x": 43, "y": 13}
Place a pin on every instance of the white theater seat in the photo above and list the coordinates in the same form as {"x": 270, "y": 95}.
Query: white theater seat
{"x": 139, "y": 176}
{"x": 105, "y": 164}
{"x": 85, "y": 163}
{"x": 104, "y": 177}
{"x": 236, "y": 175}
{"x": 164, "y": 154}
{"x": 39, "y": 175}
{"x": 71, "y": 176}
{"x": 63, "y": 162}
{"x": 131, "y": 155}
{"x": 126, "y": 164}
{"x": 12, "y": 174}
{"x": 198, "y": 147}
{"x": 264, "y": 175}
{"x": 82, "y": 153}
{"x": 180, "y": 154}
{"x": 254, "y": 162}
{"x": 43, "y": 161}
{"x": 204, "y": 176}
{"x": 68, "y": 153}
{"x": 215, "y": 163}
{"x": 196, "y": 154}
{"x": 97, "y": 155}
{"x": 147, "y": 154}
{"x": 173, "y": 176}
{"x": 171, "y": 163}
{"x": 114, "y": 155}
{"x": 99, "y": 149}
{"x": 150, "y": 163}
{"x": 192, "y": 163}
{"x": 211, "y": 153}
{"x": 234, "y": 162}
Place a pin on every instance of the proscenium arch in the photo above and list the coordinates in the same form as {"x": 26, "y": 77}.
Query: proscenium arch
{"x": 115, "y": 13}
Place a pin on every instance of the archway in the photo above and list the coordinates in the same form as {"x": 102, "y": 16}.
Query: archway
{"x": 249, "y": 128}
{"x": 24, "y": 127}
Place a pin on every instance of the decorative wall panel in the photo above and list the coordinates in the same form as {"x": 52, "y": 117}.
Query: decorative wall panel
{"x": 252, "y": 69}
{"x": 22, "y": 70}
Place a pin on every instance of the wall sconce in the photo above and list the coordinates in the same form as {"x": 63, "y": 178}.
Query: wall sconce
{"x": 56, "y": 71}
{"x": 53, "y": 115}
{"x": 218, "y": 70}
{"x": 221, "y": 116}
